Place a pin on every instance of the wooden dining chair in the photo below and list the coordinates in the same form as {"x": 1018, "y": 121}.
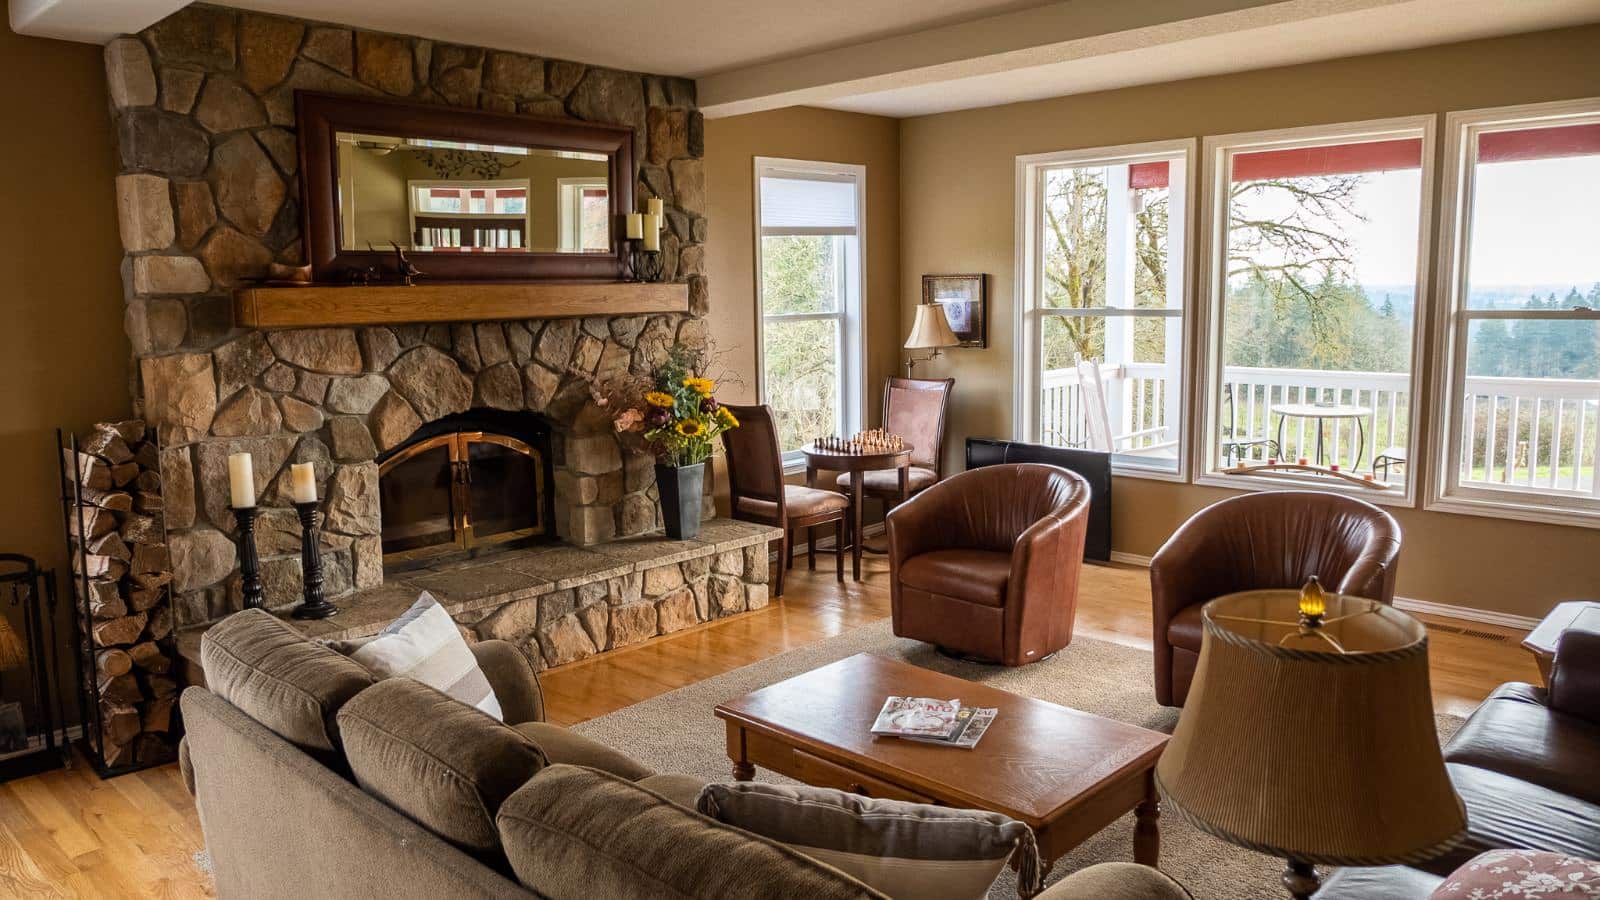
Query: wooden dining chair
{"x": 915, "y": 409}
{"x": 757, "y": 492}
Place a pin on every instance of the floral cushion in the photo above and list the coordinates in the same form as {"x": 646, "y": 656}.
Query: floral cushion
{"x": 1521, "y": 874}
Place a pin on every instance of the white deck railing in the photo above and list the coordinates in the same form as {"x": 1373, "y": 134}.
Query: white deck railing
{"x": 1535, "y": 432}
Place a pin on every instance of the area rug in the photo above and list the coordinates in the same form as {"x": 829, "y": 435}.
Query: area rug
{"x": 676, "y": 732}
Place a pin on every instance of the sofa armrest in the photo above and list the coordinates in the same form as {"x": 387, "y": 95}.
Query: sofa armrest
{"x": 513, "y": 680}
{"x": 1575, "y": 675}
{"x": 1116, "y": 881}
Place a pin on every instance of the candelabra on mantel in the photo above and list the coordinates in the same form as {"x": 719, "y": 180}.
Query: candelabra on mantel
{"x": 644, "y": 242}
{"x": 242, "y": 491}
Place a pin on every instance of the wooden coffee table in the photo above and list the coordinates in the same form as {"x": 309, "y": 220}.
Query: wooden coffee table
{"x": 1066, "y": 773}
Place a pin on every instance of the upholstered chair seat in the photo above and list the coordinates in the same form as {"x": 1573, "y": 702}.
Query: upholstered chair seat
{"x": 985, "y": 564}
{"x": 798, "y": 500}
{"x": 887, "y": 481}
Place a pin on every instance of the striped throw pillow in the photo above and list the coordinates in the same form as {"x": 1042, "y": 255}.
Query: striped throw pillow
{"x": 425, "y": 645}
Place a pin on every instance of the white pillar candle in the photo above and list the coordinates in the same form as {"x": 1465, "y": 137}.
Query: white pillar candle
{"x": 303, "y": 483}
{"x": 241, "y": 481}
{"x": 635, "y": 226}
{"x": 652, "y": 231}
{"x": 653, "y": 207}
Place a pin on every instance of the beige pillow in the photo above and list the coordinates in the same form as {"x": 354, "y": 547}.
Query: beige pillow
{"x": 282, "y": 679}
{"x": 425, "y": 644}
{"x": 909, "y": 850}
{"x": 581, "y": 834}
{"x": 439, "y": 761}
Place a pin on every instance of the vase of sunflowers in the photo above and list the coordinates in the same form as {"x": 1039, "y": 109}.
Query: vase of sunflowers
{"x": 680, "y": 421}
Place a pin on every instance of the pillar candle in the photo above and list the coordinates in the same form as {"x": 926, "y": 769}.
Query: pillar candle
{"x": 652, "y": 231}
{"x": 241, "y": 481}
{"x": 635, "y": 226}
{"x": 654, "y": 208}
{"x": 303, "y": 483}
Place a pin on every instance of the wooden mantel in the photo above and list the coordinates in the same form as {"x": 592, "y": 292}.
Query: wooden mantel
{"x": 309, "y": 306}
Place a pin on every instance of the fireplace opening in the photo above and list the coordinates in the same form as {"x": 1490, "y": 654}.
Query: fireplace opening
{"x": 466, "y": 484}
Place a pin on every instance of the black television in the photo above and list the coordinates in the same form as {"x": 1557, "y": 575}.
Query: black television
{"x": 1093, "y": 465}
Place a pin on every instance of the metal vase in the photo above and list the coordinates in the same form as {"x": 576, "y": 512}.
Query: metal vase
{"x": 681, "y": 488}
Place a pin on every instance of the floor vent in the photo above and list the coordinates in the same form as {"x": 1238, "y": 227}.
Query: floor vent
{"x": 1467, "y": 632}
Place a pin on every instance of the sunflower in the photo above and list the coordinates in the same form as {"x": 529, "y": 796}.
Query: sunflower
{"x": 701, "y": 386}
{"x": 726, "y": 419}
{"x": 659, "y": 398}
{"x": 690, "y": 428}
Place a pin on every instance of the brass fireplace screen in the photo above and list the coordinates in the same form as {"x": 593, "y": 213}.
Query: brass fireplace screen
{"x": 458, "y": 488}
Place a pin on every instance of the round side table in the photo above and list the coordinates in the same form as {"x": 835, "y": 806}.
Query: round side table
{"x": 819, "y": 460}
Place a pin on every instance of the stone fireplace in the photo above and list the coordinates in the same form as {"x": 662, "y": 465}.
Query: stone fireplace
{"x": 208, "y": 199}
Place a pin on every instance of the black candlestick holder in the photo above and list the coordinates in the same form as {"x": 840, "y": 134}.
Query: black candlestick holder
{"x": 646, "y": 264}
{"x": 249, "y": 559}
{"x": 315, "y": 606}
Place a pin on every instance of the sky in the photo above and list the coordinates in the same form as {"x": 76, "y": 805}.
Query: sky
{"x": 1535, "y": 222}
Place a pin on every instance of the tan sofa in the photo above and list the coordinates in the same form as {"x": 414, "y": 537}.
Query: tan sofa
{"x": 283, "y": 817}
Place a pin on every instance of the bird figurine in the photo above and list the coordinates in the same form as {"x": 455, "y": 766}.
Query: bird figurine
{"x": 408, "y": 272}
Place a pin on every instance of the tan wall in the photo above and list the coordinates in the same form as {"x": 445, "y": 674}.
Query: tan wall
{"x": 63, "y": 356}
{"x": 732, "y": 144}
{"x": 958, "y": 185}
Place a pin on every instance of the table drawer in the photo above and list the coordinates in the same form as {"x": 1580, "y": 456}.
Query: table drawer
{"x": 815, "y": 770}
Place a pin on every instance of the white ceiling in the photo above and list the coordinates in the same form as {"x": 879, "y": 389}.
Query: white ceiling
{"x": 889, "y": 57}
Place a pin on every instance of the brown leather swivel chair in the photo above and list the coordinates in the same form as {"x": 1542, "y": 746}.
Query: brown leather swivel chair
{"x": 913, "y": 408}
{"x": 757, "y": 492}
{"x": 1271, "y": 539}
{"x": 985, "y": 563}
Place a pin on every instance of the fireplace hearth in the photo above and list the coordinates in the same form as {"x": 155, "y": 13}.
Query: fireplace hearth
{"x": 464, "y": 485}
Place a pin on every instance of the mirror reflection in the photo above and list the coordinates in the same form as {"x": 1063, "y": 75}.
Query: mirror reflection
{"x": 453, "y": 197}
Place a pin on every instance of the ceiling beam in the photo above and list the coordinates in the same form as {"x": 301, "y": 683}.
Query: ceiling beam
{"x": 88, "y": 21}
{"x": 1059, "y": 32}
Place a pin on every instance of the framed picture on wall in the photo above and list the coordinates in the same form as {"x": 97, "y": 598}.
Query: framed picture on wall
{"x": 965, "y": 300}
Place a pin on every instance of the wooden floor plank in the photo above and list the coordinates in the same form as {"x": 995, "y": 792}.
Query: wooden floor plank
{"x": 68, "y": 834}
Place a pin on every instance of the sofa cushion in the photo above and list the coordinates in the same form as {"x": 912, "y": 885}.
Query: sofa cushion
{"x": 1123, "y": 881}
{"x": 902, "y": 849}
{"x": 287, "y": 682}
{"x": 425, "y": 644}
{"x": 561, "y": 745}
{"x": 1504, "y": 812}
{"x": 1521, "y": 874}
{"x": 1513, "y": 732}
{"x": 436, "y": 759}
{"x": 576, "y": 834}
{"x": 683, "y": 790}
{"x": 1385, "y": 882}
{"x": 976, "y": 576}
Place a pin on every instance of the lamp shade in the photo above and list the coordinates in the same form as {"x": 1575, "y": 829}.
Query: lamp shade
{"x": 1317, "y": 749}
{"x": 931, "y": 329}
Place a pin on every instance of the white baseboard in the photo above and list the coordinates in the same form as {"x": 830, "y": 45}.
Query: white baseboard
{"x": 1486, "y": 616}
{"x": 1466, "y": 613}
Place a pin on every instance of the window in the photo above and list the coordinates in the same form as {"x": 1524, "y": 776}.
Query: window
{"x": 1103, "y": 265}
{"x": 584, "y": 212}
{"x": 469, "y": 215}
{"x": 809, "y": 287}
{"x": 1519, "y": 431}
{"x": 1314, "y": 266}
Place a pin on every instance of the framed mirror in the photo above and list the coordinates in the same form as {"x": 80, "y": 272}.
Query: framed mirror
{"x": 469, "y": 195}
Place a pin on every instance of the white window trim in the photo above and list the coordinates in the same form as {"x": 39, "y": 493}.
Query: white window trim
{"x": 1213, "y": 238}
{"x": 853, "y": 337}
{"x": 419, "y": 184}
{"x": 1449, "y": 381}
{"x": 1026, "y": 362}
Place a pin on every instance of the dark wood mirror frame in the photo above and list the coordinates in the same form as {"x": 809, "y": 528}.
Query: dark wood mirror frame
{"x": 321, "y": 116}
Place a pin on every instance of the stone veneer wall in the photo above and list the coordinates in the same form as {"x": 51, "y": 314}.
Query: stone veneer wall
{"x": 209, "y": 197}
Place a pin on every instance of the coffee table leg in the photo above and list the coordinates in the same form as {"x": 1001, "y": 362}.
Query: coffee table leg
{"x": 1147, "y": 826}
{"x": 743, "y": 771}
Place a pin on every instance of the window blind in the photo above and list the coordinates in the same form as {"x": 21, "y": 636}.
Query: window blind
{"x": 815, "y": 204}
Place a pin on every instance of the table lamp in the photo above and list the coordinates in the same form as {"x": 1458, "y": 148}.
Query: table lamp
{"x": 929, "y": 331}
{"x": 1308, "y": 734}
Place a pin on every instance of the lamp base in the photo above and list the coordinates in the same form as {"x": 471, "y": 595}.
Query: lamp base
{"x": 1301, "y": 880}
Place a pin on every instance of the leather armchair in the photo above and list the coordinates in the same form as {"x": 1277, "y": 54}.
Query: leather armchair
{"x": 985, "y": 563}
{"x": 1271, "y": 539}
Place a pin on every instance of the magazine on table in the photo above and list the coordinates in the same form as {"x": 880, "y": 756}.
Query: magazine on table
{"x": 933, "y": 721}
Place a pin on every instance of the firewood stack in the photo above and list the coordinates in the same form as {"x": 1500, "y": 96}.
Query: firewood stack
{"x": 122, "y": 570}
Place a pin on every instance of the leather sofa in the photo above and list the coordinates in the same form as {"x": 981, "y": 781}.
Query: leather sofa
{"x": 285, "y": 817}
{"x": 985, "y": 563}
{"x": 1527, "y": 766}
{"x": 1270, "y": 539}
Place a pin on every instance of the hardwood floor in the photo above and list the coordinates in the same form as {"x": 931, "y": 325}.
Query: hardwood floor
{"x": 69, "y": 834}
